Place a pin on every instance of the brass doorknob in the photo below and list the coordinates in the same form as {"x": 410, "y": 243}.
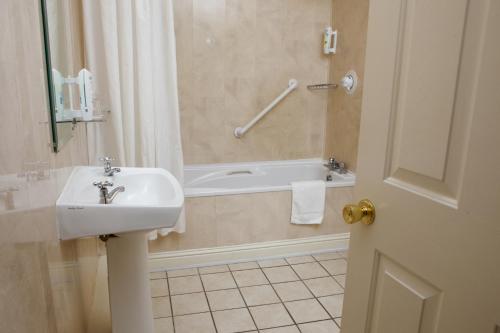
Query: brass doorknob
{"x": 364, "y": 211}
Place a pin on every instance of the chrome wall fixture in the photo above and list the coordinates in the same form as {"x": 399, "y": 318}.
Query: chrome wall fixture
{"x": 349, "y": 82}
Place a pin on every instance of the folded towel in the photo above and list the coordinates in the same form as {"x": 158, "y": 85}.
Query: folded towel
{"x": 308, "y": 202}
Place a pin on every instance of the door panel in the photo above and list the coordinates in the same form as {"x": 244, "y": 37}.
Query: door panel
{"x": 429, "y": 159}
{"x": 394, "y": 286}
{"x": 428, "y": 119}
{"x": 429, "y": 55}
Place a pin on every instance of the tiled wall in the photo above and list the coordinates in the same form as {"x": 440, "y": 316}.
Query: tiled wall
{"x": 231, "y": 67}
{"x": 234, "y": 57}
{"x": 344, "y": 111}
{"x": 45, "y": 285}
{"x": 250, "y": 218}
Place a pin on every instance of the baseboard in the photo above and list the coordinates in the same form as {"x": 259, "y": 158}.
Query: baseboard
{"x": 237, "y": 253}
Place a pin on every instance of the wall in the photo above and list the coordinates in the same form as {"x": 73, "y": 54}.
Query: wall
{"x": 344, "y": 111}
{"x": 230, "y": 67}
{"x": 250, "y": 218}
{"x": 45, "y": 285}
{"x": 234, "y": 57}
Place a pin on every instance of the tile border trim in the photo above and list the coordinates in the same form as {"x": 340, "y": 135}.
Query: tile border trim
{"x": 168, "y": 260}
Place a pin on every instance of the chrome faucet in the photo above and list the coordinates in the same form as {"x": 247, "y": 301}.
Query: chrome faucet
{"x": 336, "y": 166}
{"x": 105, "y": 195}
{"x": 108, "y": 170}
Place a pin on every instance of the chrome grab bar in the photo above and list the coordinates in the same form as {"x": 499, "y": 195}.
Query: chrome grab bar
{"x": 240, "y": 131}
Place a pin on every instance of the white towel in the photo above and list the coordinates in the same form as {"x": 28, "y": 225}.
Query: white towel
{"x": 308, "y": 202}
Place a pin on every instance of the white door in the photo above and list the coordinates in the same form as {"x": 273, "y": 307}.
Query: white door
{"x": 429, "y": 160}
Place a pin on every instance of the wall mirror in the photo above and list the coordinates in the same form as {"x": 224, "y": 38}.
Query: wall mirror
{"x": 70, "y": 89}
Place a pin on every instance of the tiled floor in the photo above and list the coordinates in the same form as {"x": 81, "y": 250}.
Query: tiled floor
{"x": 289, "y": 295}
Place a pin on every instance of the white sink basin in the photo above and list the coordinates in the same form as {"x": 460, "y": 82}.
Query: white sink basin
{"x": 152, "y": 199}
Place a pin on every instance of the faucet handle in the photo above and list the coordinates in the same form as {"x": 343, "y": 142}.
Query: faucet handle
{"x": 332, "y": 160}
{"x": 107, "y": 162}
{"x": 102, "y": 184}
{"x": 106, "y": 159}
{"x": 342, "y": 168}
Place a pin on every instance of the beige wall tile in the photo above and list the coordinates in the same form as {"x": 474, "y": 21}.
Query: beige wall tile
{"x": 250, "y": 218}
{"x": 344, "y": 111}
{"x": 234, "y": 58}
{"x": 200, "y": 223}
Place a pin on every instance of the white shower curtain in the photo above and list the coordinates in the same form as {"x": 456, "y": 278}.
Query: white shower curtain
{"x": 130, "y": 49}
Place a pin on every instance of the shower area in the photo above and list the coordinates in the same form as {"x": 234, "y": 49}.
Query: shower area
{"x": 262, "y": 104}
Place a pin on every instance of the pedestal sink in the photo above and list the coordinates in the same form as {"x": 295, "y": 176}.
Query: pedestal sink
{"x": 152, "y": 199}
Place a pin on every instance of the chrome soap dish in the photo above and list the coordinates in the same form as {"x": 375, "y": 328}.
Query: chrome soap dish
{"x": 349, "y": 82}
{"x": 322, "y": 86}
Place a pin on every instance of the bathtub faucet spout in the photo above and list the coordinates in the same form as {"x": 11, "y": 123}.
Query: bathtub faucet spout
{"x": 336, "y": 166}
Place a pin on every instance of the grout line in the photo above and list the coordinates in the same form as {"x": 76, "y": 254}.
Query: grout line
{"x": 316, "y": 298}
{"x": 336, "y": 322}
{"x": 340, "y": 284}
{"x": 283, "y": 303}
{"x": 329, "y": 276}
{"x": 170, "y": 300}
{"x": 244, "y": 301}
{"x": 243, "y": 269}
{"x": 181, "y": 276}
{"x": 208, "y": 303}
{"x": 332, "y": 275}
{"x": 246, "y": 306}
{"x": 160, "y": 278}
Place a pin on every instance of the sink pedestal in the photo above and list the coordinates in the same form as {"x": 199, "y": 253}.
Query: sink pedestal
{"x": 152, "y": 199}
{"x": 129, "y": 288}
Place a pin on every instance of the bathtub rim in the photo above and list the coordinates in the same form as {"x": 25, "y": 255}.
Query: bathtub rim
{"x": 214, "y": 191}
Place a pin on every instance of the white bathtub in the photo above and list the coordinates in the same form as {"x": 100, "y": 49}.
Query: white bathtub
{"x": 236, "y": 178}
